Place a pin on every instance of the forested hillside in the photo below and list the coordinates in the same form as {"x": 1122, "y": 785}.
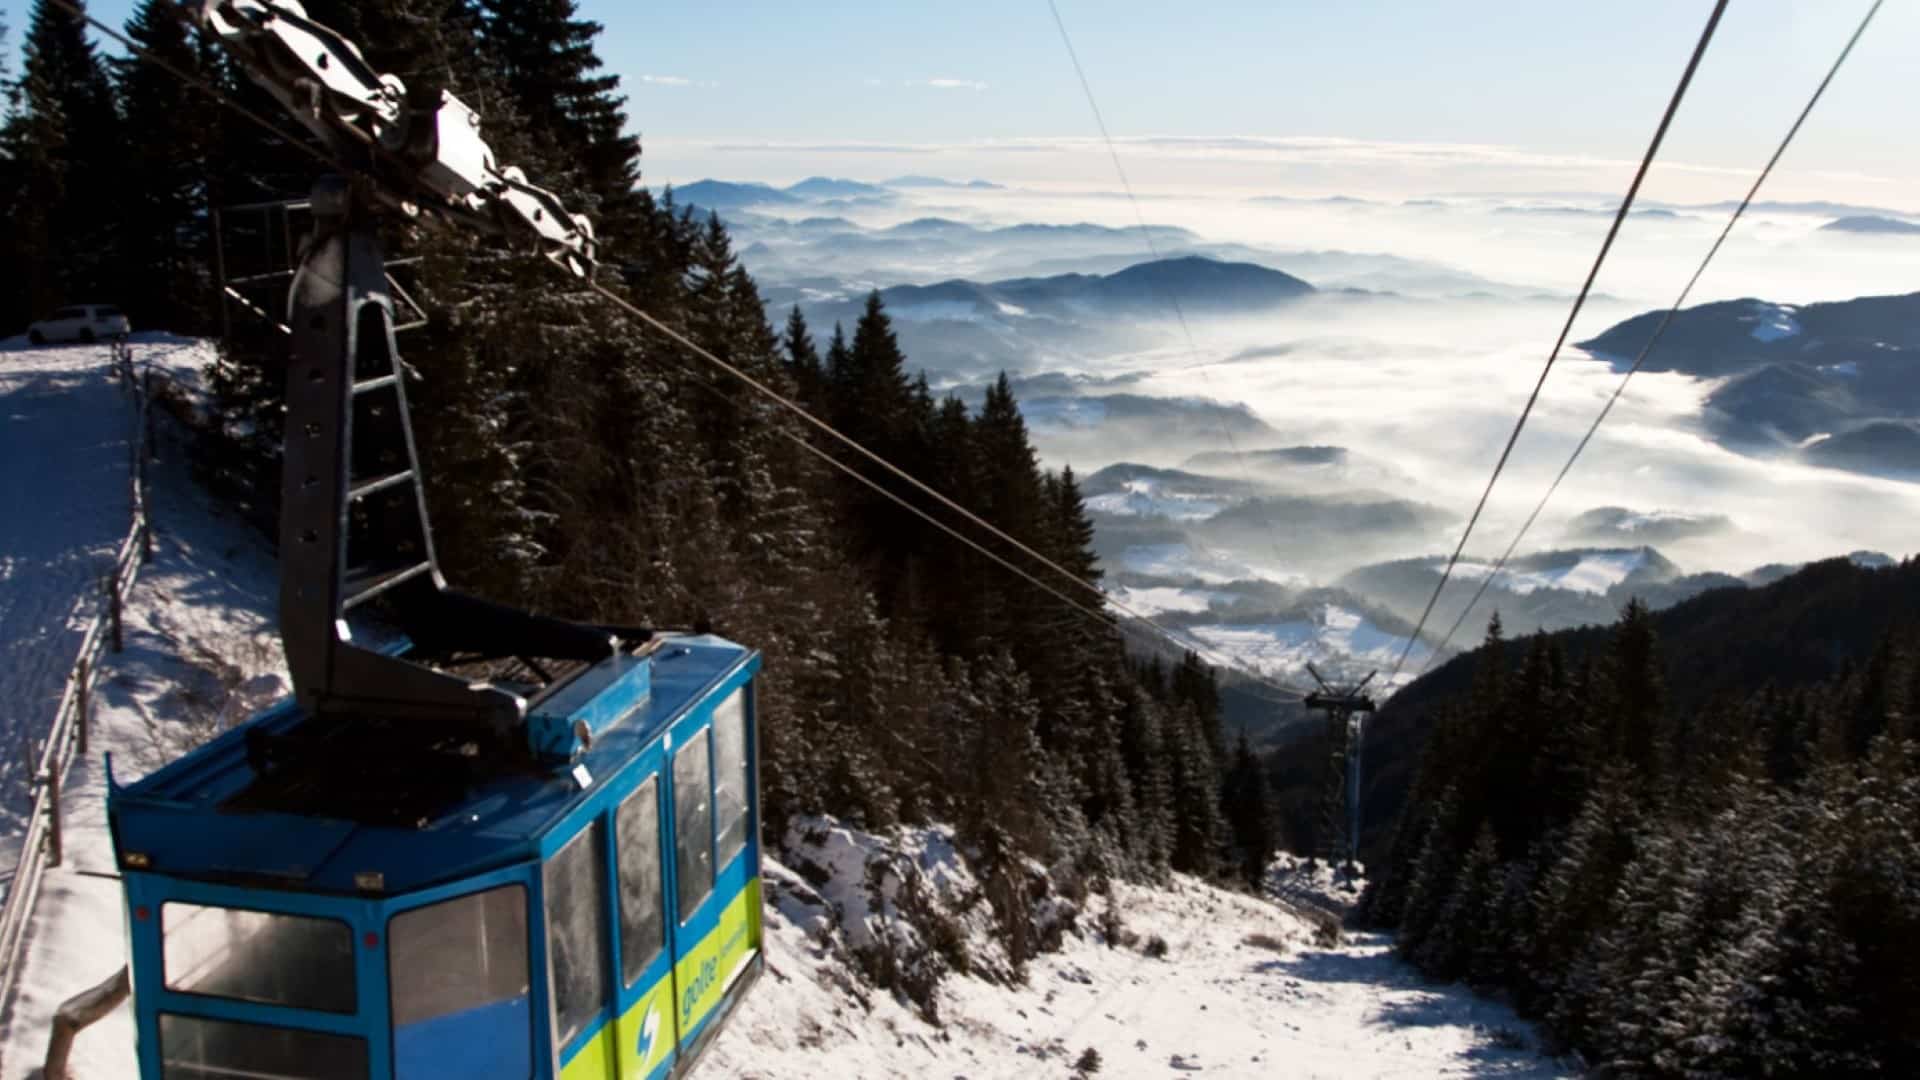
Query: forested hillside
{"x": 1688, "y": 854}
{"x": 581, "y": 465}
{"x": 1802, "y": 628}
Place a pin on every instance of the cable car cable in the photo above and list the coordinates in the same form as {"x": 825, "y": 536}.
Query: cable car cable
{"x": 1660, "y": 330}
{"x": 1579, "y": 301}
{"x": 1199, "y": 366}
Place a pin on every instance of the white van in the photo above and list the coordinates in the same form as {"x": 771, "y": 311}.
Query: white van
{"x": 81, "y": 322}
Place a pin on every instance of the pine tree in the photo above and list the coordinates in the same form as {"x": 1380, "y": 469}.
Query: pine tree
{"x": 1458, "y": 931}
{"x": 64, "y": 141}
{"x": 803, "y": 359}
{"x": 162, "y": 225}
{"x": 1247, "y": 805}
{"x": 576, "y": 119}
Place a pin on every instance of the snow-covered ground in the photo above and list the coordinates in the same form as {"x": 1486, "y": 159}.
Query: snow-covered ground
{"x": 1144, "y": 498}
{"x": 64, "y": 508}
{"x": 1772, "y": 322}
{"x": 1335, "y": 635}
{"x": 1200, "y": 564}
{"x": 1151, "y": 600}
{"x": 1594, "y": 573}
{"x": 1242, "y": 991}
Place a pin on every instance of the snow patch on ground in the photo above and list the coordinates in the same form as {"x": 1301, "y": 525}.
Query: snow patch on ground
{"x": 1143, "y": 498}
{"x": 1182, "y": 561}
{"x": 1153, "y": 600}
{"x": 1773, "y": 322}
{"x": 1595, "y": 573}
{"x": 1285, "y": 648}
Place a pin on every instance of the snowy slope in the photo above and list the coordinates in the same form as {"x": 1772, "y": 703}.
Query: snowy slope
{"x": 200, "y": 653}
{"x": 1241, "y": 992}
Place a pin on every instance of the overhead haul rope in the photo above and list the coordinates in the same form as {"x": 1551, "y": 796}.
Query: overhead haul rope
{"x": 1658, "y": 331}
{"x": 1633, "y": 189}
{"x": 779, "y": 399}
{"x": 1173, "y": 300}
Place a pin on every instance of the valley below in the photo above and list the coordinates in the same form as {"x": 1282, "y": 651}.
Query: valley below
{"x": 1280, "y": 421}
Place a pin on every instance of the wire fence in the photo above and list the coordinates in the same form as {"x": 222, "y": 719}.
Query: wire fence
{"x": 44, "y": 845}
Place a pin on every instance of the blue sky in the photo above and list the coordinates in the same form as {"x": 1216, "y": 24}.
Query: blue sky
{"x": 1554, "y": 78}
{"x": 1526, "y": 95}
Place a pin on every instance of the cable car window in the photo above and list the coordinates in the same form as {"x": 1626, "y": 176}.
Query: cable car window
{"x": 642, "y": 927}
{"x": 692, "y": 824}
{"x": 731, "y": 781}
{"x": 576, "y": 883}
{"x": 269, "y": 957}
{"x": 196, "y": 1048}
{"x": 458, "y": 973}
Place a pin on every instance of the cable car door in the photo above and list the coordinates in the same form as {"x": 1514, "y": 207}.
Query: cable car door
{"x": 645, "y": 1031}
{"x": 716, "y": 895}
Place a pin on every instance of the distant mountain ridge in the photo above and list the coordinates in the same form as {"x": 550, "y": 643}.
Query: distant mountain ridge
{"x": 1839, "y": 379}
{"x": 938, "y": 182}
{"x": 734, "y": 195}
{"x": 1870, "y": 223}
{"x": 1143, "y": 290}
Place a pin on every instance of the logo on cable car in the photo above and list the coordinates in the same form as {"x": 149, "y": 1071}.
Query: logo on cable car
{"x": 649, "y": 1031}
{"x": 698, "y": 986}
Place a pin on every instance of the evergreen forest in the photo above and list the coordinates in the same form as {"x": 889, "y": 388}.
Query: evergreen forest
{"x": 1680, "y": 870}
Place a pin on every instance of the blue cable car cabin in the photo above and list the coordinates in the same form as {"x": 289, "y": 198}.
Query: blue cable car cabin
{"x": 593, "y": 914}
{"x": 521, "y": 846}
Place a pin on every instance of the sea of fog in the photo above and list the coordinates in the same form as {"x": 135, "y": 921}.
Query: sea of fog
{"x": 1431, "y": 382}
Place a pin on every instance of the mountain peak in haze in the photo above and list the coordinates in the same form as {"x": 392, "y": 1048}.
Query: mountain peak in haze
{"x": 1871, "y": 223}
{"x": 728, "y": 195}
{"x": 1212, "y": 283}
{"x": 828, "y": 187}
{"x": 938, "y": 182}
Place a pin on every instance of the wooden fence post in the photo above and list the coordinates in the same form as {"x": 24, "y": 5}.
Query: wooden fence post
{"x": 113, "y": 607}
{"x": 146, "y": 414}
{"x": 84, "y": 699}
{"x": 54, "y": 845}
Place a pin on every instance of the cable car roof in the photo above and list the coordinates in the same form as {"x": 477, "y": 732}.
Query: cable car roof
{"x": 185, "y": 822}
